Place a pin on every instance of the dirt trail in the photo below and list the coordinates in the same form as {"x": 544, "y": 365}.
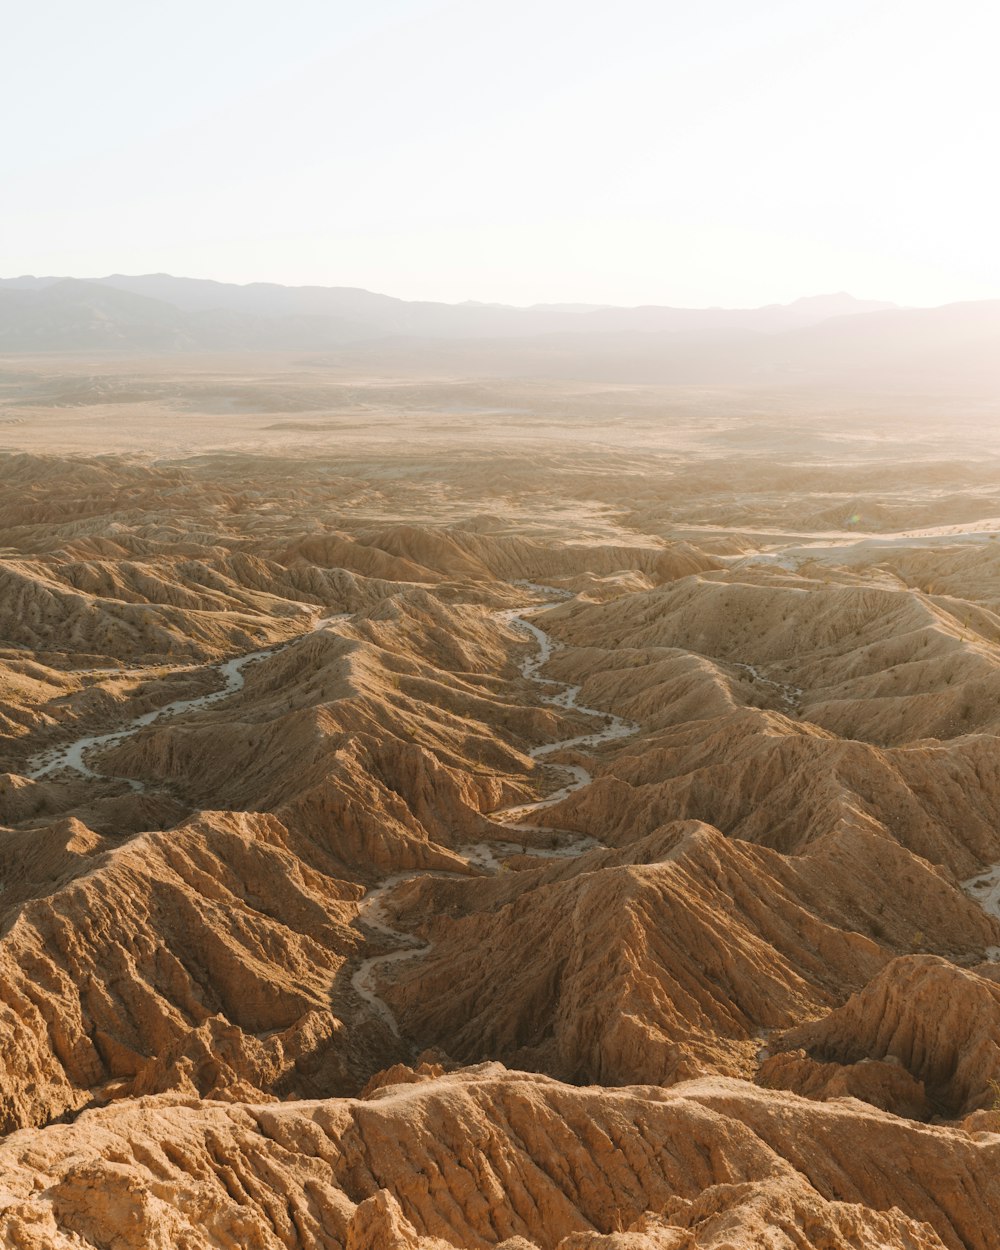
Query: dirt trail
{"x": 487, "y": 855}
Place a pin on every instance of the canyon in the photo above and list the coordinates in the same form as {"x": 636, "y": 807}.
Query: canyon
{"x": 443, "y": 811}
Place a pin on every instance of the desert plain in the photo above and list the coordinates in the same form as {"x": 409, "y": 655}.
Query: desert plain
{"x": 444, "y": 811}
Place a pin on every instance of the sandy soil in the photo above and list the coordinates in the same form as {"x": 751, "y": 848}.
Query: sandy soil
{"x": 422, "y": 797}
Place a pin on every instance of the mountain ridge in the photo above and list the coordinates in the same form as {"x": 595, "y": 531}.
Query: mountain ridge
{"x": 817, "y": 340}
{"x": 308, "y": 316}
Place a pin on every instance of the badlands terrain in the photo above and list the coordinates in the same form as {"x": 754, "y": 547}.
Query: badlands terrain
{"x": 444, "y": 813}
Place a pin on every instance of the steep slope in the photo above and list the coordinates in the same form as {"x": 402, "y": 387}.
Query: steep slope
{"x": 669, "y": 958}
{"x": 202, "y": 959}
{"x": 938, "y": 1022}
{"x": 486, "y": 1157}
{"x": 312, "y": 794}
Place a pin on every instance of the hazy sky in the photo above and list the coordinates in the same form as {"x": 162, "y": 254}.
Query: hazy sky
{"x": 699, "y": 152}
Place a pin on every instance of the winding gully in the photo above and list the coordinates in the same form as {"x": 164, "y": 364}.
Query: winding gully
{"x": 73, "y": 756}
{"x": 489, "y": 855}
{"x": 486, "y": 855}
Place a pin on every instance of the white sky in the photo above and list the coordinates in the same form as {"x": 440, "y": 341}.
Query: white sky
{"x": 688, "y": 152}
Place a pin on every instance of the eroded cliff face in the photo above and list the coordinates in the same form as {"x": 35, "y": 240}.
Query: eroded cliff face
{"x": 490, "y": 1157}
{"x": 404, "y": 858}
{"x": 670, "y": 958}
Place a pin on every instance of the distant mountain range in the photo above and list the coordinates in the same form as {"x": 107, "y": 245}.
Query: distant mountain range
{"x": 157, "y": 311}
{"x": 823, "y": 338}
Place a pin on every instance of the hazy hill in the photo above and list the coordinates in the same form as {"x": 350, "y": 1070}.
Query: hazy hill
{"x": 950, "y": 349}
{"x": 69, "y": 314}
{"x": 828, "y": 339}
{"x": 196, "y": 312}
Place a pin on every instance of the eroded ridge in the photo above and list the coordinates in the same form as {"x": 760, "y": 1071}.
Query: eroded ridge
{"x": 73, "y": 756}
{"x": 488, "y": 855}
{"x": 760, "y": 981}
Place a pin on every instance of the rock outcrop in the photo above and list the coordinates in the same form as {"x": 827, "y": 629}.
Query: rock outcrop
{"x": 487, "y": 1157}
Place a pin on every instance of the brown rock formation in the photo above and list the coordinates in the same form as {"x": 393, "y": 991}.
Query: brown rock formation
{"x": 667, "y": 959}
{"x": 941, "y": 1023}
{"x": 741, "y": 994}
{"x": 487, "y": 1157}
